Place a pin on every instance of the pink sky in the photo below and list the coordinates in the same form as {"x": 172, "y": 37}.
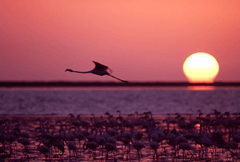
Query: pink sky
{"x": 138, "y": 40}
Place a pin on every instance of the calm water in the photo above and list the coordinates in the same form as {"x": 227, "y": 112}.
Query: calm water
{"x": 62, "y": 101}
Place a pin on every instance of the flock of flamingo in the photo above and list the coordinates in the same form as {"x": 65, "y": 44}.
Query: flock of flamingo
{"x": 133, "y": 137}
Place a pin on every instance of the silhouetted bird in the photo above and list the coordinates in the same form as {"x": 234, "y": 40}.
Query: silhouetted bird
{"x": 99, "y": 69}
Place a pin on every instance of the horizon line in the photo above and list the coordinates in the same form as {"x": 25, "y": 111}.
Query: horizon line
{"x": 108, "y": 83}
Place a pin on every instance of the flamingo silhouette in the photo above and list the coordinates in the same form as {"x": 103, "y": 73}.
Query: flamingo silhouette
{"x": 99, "y": 69}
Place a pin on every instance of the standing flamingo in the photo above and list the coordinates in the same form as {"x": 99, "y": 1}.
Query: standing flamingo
{"x": 138, "y": 146}
{"x": 154, "y": 145}
{"x": 43, "y": 148}
{"x": 110, "y": 147}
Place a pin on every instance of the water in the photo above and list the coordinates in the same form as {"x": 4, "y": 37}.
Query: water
{"x": 62, "y": 101}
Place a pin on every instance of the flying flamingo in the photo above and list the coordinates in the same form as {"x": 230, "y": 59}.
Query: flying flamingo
{"x": 99, "y": 69}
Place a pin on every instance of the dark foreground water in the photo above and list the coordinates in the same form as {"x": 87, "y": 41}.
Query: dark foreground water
{"x": 62, "y": 101}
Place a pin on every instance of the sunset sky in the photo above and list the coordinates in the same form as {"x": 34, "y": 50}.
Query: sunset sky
{"x": 139, "y": 40}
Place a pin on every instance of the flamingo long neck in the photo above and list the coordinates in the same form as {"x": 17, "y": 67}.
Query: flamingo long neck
{"x": 81, "y": 71}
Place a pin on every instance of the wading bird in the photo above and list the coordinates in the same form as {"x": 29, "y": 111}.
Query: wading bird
{"x": 99, "y": 69}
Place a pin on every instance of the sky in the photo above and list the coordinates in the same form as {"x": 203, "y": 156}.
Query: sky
{"x": 139, "y": 40}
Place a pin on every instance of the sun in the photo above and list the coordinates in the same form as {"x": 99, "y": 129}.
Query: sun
{"x": 201, "y": 68}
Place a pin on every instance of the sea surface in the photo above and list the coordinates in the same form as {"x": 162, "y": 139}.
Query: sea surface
{"x": 164, "y": 100}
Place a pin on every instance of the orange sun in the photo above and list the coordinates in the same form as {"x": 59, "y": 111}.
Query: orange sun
{"x": 201, "y": 68}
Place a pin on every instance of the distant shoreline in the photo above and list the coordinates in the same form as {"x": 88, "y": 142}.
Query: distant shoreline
{"x": 111, "y": 84}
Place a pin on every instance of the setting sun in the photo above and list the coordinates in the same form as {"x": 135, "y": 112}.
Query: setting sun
{"x": 201, "y": 68}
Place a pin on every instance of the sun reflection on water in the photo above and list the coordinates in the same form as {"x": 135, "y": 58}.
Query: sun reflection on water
{"x": 201, "y": 88}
